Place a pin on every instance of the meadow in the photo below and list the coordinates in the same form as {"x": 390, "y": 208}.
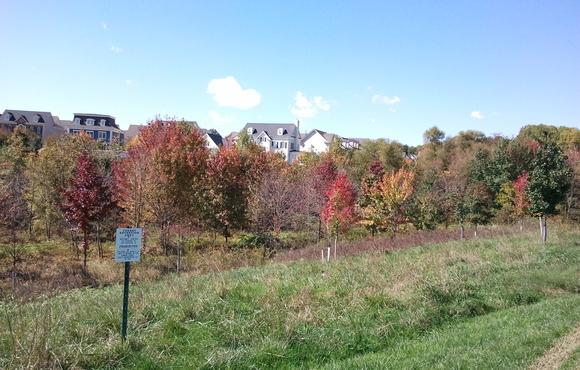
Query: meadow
{"x": 487, "y": 303}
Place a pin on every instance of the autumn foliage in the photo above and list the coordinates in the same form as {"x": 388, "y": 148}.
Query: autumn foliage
{"x": 338, "y": 213}
{"x": 87, "y": 200}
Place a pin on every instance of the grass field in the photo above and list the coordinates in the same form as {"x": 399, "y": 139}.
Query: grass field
{"x": 496, "y": 303}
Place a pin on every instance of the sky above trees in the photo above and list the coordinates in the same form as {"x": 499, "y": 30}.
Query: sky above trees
{"x": 360, "y": 69}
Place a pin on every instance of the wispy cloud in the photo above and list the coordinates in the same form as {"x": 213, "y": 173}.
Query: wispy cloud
{"x": 104, "y": 25}
{"x": 308, "y": 108}
{"x": 117, "y": 49}
{"x": 477, "y": 114}
{"x": 227, "y": 92}
{"x": 378, "y": 99}
{"x": 217, "y": 119}
{"x": 128, "y": 82}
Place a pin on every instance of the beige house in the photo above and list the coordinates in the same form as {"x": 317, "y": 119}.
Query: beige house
{"x": 42, "y": 123}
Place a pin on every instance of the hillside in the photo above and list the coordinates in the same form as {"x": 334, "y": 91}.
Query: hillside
{"x": 497, "y": 303}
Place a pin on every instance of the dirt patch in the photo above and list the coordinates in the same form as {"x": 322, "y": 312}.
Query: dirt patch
{"x": 559, "y": 353}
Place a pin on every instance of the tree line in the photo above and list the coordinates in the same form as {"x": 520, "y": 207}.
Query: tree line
{"x": 168, "y": 181}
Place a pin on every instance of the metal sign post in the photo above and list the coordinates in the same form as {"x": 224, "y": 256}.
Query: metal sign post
{"x": 127, "y": 250}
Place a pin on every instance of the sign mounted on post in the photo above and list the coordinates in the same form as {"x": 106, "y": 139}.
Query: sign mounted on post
{"x": 128, "y": 245}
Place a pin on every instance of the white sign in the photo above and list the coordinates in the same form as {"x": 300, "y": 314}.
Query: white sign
{"x": 128, "y": 246}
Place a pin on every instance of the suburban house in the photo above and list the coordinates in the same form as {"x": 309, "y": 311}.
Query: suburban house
{"x": 317, "y": 141}
{"x": 98, "y": 126}
{"x": 42, "y": 123}
{"x": 282, "y": 138}
{"x": 213, "y": 140}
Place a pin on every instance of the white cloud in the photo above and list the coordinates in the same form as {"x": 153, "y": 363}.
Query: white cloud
{"x": 227, "y": 92}
{"x": 104, "y": 25}
{"x": 377, "y": 99}
{"x": 217, "y": 119}
{"x": 308, "y": 108}
{"x": 116, "y": 49}
{"x": 128, "y": 82}
{"x": 477, "y": 114}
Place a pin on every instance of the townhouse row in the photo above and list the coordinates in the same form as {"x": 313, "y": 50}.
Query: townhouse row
{"x": 282, "y": 138}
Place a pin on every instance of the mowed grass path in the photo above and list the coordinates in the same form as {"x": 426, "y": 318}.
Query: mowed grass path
{"x": 486, "y": 304}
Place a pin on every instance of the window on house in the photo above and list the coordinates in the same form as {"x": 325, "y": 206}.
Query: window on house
{"x": 36, "y": 117}
{"x": 250, "y": 130}
{"x": 103, "y": 135}
{"x": 291, "y": 146}
{"x": 102, "y": 123}
{"x": 90, "y": 133}
{"x": 75, "y": 132}
{"x": 77, "y": 121}
{"x": 280, "y": 131}
{"x": 90, "y": 122}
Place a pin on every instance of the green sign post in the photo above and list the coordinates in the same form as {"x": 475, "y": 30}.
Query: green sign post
{"x": 127, "y": 250}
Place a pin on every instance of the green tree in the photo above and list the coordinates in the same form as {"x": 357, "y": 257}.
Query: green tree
{"x": 549, "y": 179}
{"x": 389, "y": 153}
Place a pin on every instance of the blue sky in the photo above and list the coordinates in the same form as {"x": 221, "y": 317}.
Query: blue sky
{"x": 366, "y": 69}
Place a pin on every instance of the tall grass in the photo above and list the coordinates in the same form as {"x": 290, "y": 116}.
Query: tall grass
{"x": 305, "y": 314}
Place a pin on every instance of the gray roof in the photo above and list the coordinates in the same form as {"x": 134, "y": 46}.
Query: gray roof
{"x": 289, "y": 129}
{"x": 27, "y": 115}
{"x": 216, "y": 138}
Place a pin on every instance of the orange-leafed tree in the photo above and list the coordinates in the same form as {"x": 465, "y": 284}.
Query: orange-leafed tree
{"x": 384, "y": 199}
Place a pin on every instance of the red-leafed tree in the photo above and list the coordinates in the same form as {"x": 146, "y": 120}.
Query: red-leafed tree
{"x": 338, "y": 213}
{"x": 231, "y": 174}
{"x": 163, "y": 175}
{"x": 86, "y": 201}
{"x": 521, "y": 201}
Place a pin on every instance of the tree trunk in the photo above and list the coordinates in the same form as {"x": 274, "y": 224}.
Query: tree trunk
{"x": 98, "y": 240}
{"x": 85, "y": 248}
{"x": 179, "y": 258}
{"x": 462, "y": 232}
{"x": 543, "y": 229}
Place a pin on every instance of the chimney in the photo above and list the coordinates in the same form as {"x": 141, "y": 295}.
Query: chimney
{"x": 297, "y": 123}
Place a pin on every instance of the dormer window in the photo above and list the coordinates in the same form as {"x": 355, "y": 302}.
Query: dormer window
{"x": 9, "y": 117}
{"x": 280, "y": 131}
{"x": 36, "y": 118}
{"x": 77, "y": 121}
{"x": 250, "y": 130}
{"x": 102, "y": 122}
{"x": 90, "y": 122}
